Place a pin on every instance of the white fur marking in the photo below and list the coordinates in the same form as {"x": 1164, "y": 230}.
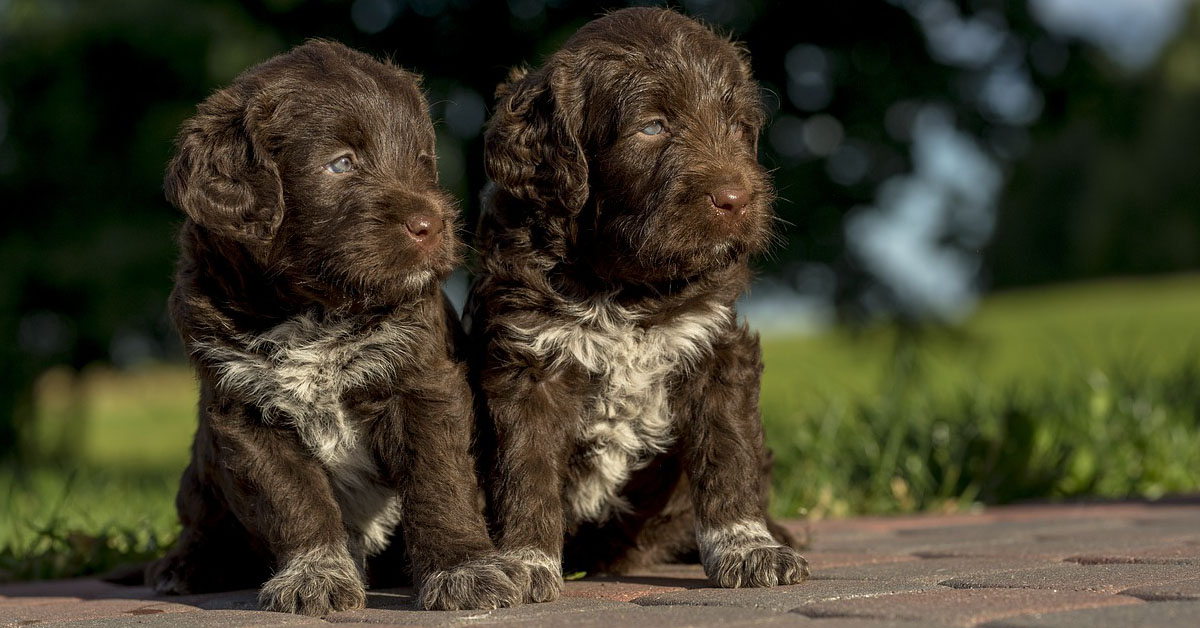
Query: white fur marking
{"x": 309, "y": 578}
{"x": 629, "y": 420}
{"x": 297, "y": 373}
{"x": 739, "y": 538}
{"x": 535, "y": 559}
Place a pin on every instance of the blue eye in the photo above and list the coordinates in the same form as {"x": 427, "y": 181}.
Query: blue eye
{"x": 654, "y": 128}
{"x": 340, "y": 165}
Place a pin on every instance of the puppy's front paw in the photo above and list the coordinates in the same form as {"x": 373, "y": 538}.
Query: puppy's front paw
{"x": 541, "y": 575}
{"x": 481, "y": 583}
{"x": 746, "y": 555}
{"x": 316, "y": 582}
{"x": 170, "y": 574}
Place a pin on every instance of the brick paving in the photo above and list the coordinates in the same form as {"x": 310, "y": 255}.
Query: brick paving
{"x": 1087, "y": 566}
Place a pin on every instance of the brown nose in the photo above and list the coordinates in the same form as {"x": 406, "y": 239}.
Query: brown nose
{"x": 424, "y": 228}
{"x": 730, "y": 199}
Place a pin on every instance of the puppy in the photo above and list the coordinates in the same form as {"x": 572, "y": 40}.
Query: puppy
{"x": 621, "y": 392}
{"x": 333, "y": 413}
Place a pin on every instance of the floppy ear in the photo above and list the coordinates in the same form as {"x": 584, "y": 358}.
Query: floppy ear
{"x": 757, "y": 110}
{"x": 220, "y": 177}
{"x": 532, "y": 147}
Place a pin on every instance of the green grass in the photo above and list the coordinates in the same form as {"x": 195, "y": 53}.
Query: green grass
{"x": 98, "y": 488}
{"x": 1069, "y": 391}
{"x": 1081, "y": 390}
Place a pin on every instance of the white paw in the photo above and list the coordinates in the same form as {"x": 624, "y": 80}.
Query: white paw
{"x": 542, "y": 581}
{"x": 746, "y": 555}
{"x": 481, "y": 583}
{"x": 316, "y": 582}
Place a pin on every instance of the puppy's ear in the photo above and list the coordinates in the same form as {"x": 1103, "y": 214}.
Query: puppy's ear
{"x": 756, "y": 109}
{"x": 533, "y": 147}
{"x": 220, "y": 176}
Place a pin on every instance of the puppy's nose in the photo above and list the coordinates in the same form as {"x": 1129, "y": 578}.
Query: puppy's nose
{"x": 423, "y": 227}
{"x": 731, "y": 199}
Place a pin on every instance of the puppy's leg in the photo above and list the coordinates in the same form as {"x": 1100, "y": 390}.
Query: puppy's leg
{"x": 657, "y": 527}
{"x": 213, "y": 552}
{"x": 722, "y": 443}
{"x": 793, "y": 539}
{"x": 425, "y": 448}
{"x": 529, "y": 414}
{"x": 283, "y": 497}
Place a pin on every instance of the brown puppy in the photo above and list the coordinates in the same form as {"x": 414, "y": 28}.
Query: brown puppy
{"x": 621, "y": 392}
{"x": 332, "y": 411}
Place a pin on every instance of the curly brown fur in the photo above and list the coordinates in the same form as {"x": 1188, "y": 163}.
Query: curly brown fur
{"x": 333, "y": 411}
{"x": 621, "y": 394}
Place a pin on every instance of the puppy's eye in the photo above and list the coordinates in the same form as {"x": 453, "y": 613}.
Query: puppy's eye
{"x": 654, "y": 128}
{"x": 340, "y": 165}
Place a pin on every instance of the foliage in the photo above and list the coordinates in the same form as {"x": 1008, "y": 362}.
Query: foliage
{"x": 65, "y": 521}
{"x": 1121, "y": 432}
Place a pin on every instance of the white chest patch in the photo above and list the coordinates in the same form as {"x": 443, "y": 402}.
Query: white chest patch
{"x": 297, "y": 373}
{"x": 628, "y": 421}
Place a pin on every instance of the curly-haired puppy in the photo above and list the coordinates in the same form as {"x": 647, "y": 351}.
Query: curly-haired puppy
{"x": 621, "y": 392}
{"x": 333, "y": 413}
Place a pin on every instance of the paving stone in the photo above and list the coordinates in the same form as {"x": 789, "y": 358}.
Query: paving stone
{"x": 568, "y": 612}
{"x": 245, "y": 600}
{"x": 1076, "y": 577}
{"x": 1131, "y": 539}
{"x": 860, "y": 622}
{"x": 1078, "y": 547}
{"x": 19, "y": 615}
{"x": 623, "y": 589}
{"x": 877, "y": 546}
{"x": 1030, "y": 514}
{"x": 1182, "y": 590}
{"x": 1057, "y": 544}
{"x": 1158, "y": 614}
{"x": 656, "y": 617}
{"x": 1007, "y": 529}
{"x": 960, "y": 607}
{"x": 681, "y": 574}
{"x": 207, "y": 619}
{"x": 400, "y": 610}
{"x": 819, "y": 560}
{"x": 77, "y": 588}
{"x": 16, "y": 602}
{"x": 1174, "y": 554}
{"x": 926, "y": 571}
{"x": 780, "y": 598}
{"x": 892, "y": 524}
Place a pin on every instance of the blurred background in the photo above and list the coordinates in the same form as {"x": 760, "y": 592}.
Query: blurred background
{"x": 991, "y": 208}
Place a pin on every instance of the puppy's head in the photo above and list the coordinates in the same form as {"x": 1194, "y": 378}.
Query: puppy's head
{"x": 635, "y": 145}
{"x": 320, "y": 162}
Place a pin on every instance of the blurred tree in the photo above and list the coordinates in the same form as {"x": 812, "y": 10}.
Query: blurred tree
{"x": 1108, "y": 183}
{"x": 90, "y": 96}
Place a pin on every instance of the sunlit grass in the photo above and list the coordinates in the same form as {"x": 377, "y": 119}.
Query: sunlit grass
{"x": 1082, "y": 390}
{"x": 98, "y": 488}
{"x": 141, "y": 420}
{"x": 1085, "y": 390}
